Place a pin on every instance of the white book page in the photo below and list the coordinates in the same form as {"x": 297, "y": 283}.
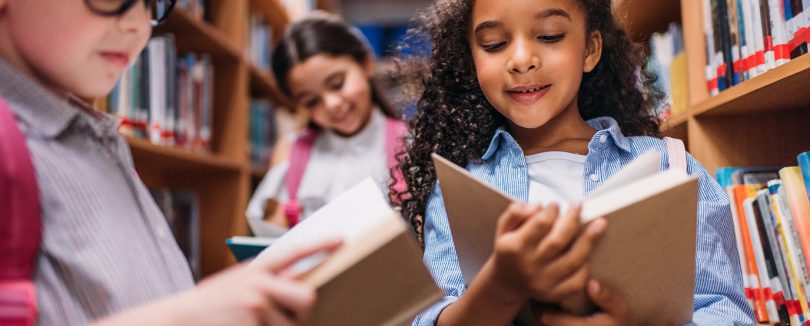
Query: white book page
{"x": 349, "y": 216}
{"x": 646, "y": 165}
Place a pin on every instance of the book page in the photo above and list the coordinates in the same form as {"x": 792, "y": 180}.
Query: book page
{"x": 349, "y": 216}
{"x": 643, "y": 166}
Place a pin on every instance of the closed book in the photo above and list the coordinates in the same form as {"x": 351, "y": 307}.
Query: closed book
{"x": 244, "y": 248}
{"x": 799, "y": 206}
{"x": 376, "y": 277}
{"x": 646, "y": 255}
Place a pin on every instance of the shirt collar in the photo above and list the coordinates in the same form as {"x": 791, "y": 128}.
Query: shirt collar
{"x": 45, "y": 113}
{"x": 363, "y": 140}
{"x": 602, "y": 125}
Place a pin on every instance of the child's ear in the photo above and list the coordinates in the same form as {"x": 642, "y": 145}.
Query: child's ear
{"x": 594, "y": 51}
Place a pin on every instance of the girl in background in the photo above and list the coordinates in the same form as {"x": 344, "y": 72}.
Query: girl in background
{"x": 325, "y": 66}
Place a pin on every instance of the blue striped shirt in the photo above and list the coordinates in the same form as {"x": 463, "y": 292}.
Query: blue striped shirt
{"x": 719, "y": 296}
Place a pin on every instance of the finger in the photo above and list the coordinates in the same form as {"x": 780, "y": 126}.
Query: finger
{"x": 578, "y": 254}
{"x": 562, "y": 233}
{"x": 538, "y": 227}
{"x": 607, "y": 300}
{"x": 284, "y": 260}
{"x": 295, "y": 297}
{"x": 575, "y": 283}
{"x": 514, "y": 216}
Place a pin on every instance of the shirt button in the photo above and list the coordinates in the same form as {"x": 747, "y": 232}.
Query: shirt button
{"x": 603, "y": 139}
{"x": 594, "y": 177}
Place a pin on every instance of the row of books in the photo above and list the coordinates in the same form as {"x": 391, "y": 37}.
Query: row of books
{"x": 166, "y": 98}
{"x": 259, "y": 41}
{"x": 746, "y": 38}
{"x": 263, "y": 133}
{"x": 667, "y": 60}
{"x": 771, "y": 215}
{"x": 182, "y": 211}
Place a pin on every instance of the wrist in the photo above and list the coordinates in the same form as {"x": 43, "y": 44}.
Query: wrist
{"x": 497, "y": 288}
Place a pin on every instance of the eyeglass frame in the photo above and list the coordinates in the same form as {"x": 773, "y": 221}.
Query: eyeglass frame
{"x": 127, "y": 5}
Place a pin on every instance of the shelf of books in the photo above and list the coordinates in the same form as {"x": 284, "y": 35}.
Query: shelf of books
{"x": 198, "y": 110}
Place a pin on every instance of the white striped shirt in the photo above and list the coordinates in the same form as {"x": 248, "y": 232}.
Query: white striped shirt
{"x": 719, "y": 296}
{"x": 106, "y": 246}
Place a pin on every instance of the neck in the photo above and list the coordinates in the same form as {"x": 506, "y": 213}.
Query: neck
{"x": 566, "y": 132}
{"x": 12, "y": 57}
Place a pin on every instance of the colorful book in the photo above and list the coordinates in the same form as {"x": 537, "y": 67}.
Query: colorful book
{"x": 804, "y": 165}
{"x": 799, "y": 206}
{"x": 245, "y": 248}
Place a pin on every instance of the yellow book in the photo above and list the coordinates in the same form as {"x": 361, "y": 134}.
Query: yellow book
{"x": 789, "y": 246}
{"x": 678, "y": 84}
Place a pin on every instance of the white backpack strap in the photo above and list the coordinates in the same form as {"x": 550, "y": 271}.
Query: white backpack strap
{"x": 677, "y": 154}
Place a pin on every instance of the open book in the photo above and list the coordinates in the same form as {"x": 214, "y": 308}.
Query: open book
{"x": 377, "y": 277}
{"x": 647, "y": 254}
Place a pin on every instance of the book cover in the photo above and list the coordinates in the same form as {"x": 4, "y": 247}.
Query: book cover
{"x": 804, "y": 166}
{"x": 799, "y": 206}
{"x": 618, "y": 262}
{"x": 245, "y": 248}
{"x": 379, "y": 258}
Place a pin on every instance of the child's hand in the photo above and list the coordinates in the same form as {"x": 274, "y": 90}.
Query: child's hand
{"x": 613, "y": 310}
{"x": 538, "y": 254}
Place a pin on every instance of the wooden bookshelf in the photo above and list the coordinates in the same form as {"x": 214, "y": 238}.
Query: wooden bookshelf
{"x": 223, "y": 177}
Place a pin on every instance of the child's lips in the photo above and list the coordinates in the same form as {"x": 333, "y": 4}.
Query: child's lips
{"x": 117, "y": 58}
{"x": 528, "y": 94}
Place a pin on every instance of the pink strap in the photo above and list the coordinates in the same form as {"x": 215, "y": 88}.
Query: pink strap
{"x": 299, "y": 157}
{"x": 394, "y": 131}
{"x": 677, "y": 154}
{"x": 21, "y": 222}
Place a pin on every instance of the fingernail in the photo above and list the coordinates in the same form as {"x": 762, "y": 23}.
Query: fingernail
{"x": 599, "y": 225}
{"x": 596, "y": 288}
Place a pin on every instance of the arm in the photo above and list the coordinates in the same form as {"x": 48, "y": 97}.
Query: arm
{"x": 719, "y": 297}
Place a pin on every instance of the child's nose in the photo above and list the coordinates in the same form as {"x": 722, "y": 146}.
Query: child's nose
{"x": 523, "y": 59}
{"x": 136, "y": 19}
{"x": 333, "y": 101}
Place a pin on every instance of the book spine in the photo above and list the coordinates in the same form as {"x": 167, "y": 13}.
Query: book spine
{"x": 804, "y": 166}
{"x": 795, "y": 254}
{"x": 708, "y": 30}
{"x": 798, "y": 204}
{"x": 751, "y": 213}
{"x": 741, "y": 193}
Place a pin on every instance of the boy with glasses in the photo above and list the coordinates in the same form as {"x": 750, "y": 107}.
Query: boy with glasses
{"x": 106, "y": 253}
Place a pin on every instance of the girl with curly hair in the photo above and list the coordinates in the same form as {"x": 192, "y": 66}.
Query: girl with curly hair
{"x": 544, "y": 99}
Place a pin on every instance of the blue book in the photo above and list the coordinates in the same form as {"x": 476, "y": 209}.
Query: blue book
{"x": 244, "y": 248}
{"x": 725, "y": 176}
{"x": 804, "y": 165}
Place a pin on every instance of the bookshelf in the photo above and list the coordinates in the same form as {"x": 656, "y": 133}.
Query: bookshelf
{"x": 221, "y": 178}
{"x": 761, "y": 121}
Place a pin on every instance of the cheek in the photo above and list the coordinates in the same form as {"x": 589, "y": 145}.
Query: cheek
{"x": 489, "y": 72}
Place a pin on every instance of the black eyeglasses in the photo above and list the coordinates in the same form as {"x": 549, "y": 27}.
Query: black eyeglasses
{"x": 159, "y": 9}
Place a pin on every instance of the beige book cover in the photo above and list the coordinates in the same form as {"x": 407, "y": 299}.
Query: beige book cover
{"x": 377, "y": 277}
{"x": 647, "y": 254}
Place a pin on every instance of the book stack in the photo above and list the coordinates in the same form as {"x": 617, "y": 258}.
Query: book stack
{"x": 262, "y": 132}
{"x": 668, "y": 61}
{"x": 166, "y": 98}
{"x": 259, "y": 42}
{"x": 771, "y": 213}
{"x": 746, "y": 38}
{"x": 182, "y": 211}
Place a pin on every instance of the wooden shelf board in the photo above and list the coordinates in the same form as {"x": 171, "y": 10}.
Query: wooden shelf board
{"x": 171, "y": 158}
{"x": 262, "y": 84}
{"x": 782, "y": 88}
{"x": 641, "y": 18}
{"x": 198, "y": 36}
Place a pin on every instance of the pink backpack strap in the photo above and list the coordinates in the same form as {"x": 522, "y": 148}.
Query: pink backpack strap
{"x": 20, "y": 225}
{"x": 395, "y": 130}
{"x": 299, "y": 157}
{"x": 677, "y": 154}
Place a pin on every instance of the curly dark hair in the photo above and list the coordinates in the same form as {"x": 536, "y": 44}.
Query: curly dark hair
{"x": 456, "y": 121}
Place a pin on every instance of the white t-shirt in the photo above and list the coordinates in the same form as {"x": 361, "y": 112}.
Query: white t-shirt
{"x": 556, "y": 177}
{"x": 336, "y": 164}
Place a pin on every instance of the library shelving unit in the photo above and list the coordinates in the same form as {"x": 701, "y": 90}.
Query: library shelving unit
{"x": 222, "y": 177}
{"x": 761, "y": 121}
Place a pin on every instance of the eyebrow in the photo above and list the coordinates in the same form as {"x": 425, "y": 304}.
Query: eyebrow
{"x": 540, "y": 15}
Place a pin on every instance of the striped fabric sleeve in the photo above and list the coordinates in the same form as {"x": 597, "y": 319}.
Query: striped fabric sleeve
{"x": 440, "y": 258}
{"x": 719, "y": 297}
